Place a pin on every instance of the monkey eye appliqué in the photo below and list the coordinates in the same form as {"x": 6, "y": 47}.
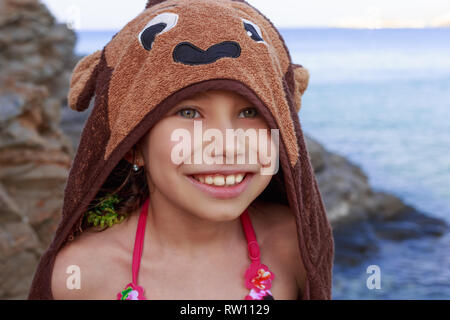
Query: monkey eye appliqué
{"x": 253, "y": 30}
{"x": 161, "y": 23}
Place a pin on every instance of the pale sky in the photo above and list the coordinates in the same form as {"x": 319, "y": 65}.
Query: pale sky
{"x": 113, "y": 15}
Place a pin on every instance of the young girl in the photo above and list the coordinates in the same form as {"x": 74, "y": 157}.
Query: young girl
{"x": 175, "y": 227}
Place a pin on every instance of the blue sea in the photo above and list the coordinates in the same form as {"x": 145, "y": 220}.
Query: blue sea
{"x": 381, "y": 98}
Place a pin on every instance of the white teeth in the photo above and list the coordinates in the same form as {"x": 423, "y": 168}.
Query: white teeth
{"x": 209, "y": 180}
{"x": 220, "y": 180}
{"x": 230, "y": 180}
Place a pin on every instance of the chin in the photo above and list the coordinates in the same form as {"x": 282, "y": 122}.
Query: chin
{"x": 219, "y": 212}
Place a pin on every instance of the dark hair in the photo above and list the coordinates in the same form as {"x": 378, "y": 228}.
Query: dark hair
{"x": 131, "y": 190}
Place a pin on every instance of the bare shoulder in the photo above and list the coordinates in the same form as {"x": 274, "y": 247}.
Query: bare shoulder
{"x": 280, "y": 235}
{"x": 80, "y": 269}
{"x": 70, "y": 261}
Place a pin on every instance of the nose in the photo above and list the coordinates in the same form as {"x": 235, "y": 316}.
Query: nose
{"x": 187, "y": 53}
{"x": 223, "y": 130}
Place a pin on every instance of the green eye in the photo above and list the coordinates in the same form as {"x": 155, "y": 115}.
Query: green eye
{"x": 250, "y": 113}
{"x": 187, "y": 113}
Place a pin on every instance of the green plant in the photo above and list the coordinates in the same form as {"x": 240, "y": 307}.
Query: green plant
{"x": 104, "y": 213}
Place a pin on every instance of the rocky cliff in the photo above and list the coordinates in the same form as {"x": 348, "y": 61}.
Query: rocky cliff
{"x": 36, "y": 59}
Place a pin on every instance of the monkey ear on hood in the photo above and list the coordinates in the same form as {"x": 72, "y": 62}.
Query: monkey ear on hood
{"x": 301, "y": 79}
{"x": 82, "y": 83}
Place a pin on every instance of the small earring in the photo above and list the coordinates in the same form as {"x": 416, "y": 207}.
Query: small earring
{"x": 135, "y": 167}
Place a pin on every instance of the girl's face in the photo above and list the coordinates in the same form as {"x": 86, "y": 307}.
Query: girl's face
{"x": 183, "y": 163}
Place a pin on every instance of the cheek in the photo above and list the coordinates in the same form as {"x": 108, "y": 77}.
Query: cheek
{"x": 163, "y": 155}
{"x": 255, "y": 124}
{"x": 263, "y": 145}
{"x": 159, "y": 147}
{"x": 262, "y": 181}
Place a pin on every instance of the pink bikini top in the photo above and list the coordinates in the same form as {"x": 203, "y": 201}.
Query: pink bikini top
{"x": 258, "y": 278}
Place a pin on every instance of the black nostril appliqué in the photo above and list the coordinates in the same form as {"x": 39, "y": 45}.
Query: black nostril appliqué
{"x": 187, "y": 53}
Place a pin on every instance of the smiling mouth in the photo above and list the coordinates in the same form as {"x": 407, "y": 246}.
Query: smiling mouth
{"x": 222, "y": 186}
{"x": 220, "y": 180}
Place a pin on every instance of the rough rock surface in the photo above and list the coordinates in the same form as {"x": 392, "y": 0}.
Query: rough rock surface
{"x": 361, "y": 216}
{"x": 34, "y": 48}
{"x": 36, "y": 59}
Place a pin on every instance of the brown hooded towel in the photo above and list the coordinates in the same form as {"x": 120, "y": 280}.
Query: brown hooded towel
{"x": 135, "y": 78}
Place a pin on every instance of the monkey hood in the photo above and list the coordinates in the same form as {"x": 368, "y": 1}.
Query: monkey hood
{"x": 170, "y": 51}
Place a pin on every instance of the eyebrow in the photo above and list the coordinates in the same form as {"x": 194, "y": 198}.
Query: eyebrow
{"x": 189, "y": 103}
{"x": 196, "y": 104}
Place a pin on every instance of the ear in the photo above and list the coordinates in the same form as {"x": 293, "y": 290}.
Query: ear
{"x": 129, "y": 156}
{"x": 134, "y": 155}
{"x": 301, "y": 79}
{"x": 153, "y": 2}
{"x": 82, "y": 82}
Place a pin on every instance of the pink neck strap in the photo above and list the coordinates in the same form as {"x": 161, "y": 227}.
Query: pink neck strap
{"x": 139, "y": 241}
